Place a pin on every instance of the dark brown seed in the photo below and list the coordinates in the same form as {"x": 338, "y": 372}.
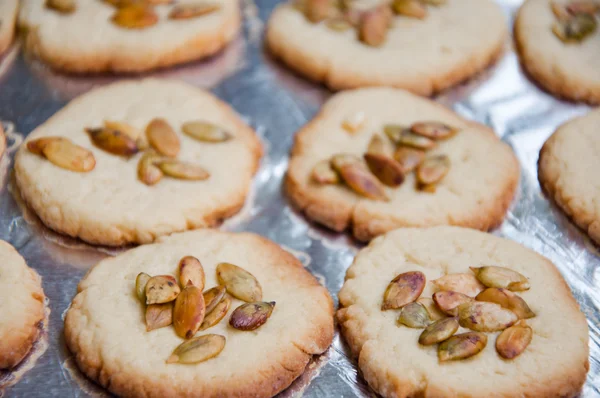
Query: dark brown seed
{"x": 513, "y": 341}
{"x": 403, "y": 289}
{"x": 374, "y": 26}
{"x": 62, "y": 6}
{"x": 409, "y": 158}
{"x": 385, "y": 168}
{"x": 462, "y": 346}
{"x": 251, "y": 316}
{"x": 113, "y": 141}
{"x": 135, "y": 16}
{"x": 358, "y": 178}
{"x": 189, "y": 312}
{"x": 410, "y": 8}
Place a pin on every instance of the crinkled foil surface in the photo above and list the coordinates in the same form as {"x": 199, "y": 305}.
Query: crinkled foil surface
{"x": 277, "y": 103}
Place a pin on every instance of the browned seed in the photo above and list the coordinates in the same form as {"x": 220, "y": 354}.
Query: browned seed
{"x": 191, "y": 271}
{"x": 161, "y": 289}
{"x": 148, "y": 172}
{"x": 376, "y": 145}
{"x": 67, "y": 155}
{"x": 358, "y": 178}
{"x": 343, "y": 159}
{"x": 62, "y": 6}
{"x": 198, "y": 349}
{"x": 205, "y": 131}
{"x": 213, "y": 296}
{"x": 135, "y": 16}
{"x": 37, "y": 146}
{"x": 485, "y": 317}
{"x": 462, "y": 283}
{"x": 374, "y": 26}
{"x": 318, "y": 10}
{"x": 403, "y": 289}
{"x": 214, "y": 317}
{"x": 163, "y": 138}
{"x": 410, "y": 8}
{"x": 508, "y": 300}
{"x": 322, "y": 173}
{"x": 462, "y": 346}
{"x": 438, "y": 331}
{"x": 410, "y": 139}
{"x": 187, "y": 11}
{"x": 251, "y": 316}
{"x": 113, "y": 141}
{"x": 159, "y": 316}
{"x": 501, "y": 277}
{"x": 448, "y": 301}
{"x": 433, "y": 169}
{"x": 385, "y": 168}
{"x": 183, "y": 170}
{"x": 513, "y": 341}
{"x": 433, "y": 130}
{"x": 124, "y": 128}
{"x": 240, "y": 283}
{"x": 188, "y": 312}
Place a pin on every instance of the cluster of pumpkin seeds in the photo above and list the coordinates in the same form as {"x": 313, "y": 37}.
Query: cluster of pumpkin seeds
{"x": 190, "y": 310}
{"x": 372, "y": 24}
{"x": 484, "y": 301}
{"x": 140, "y": 14}
{"x": 367, "y": 176}
{"x": 575, "y": 20}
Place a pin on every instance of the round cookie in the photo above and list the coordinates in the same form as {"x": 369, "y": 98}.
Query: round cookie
{"x": 109, "y": 205}
{"x": 396, "y": 365}
{"x": 21, "y": 307}
{"x": 104, "y": 328}
{"x": 569, "y": 70}
{"x": 566, "y": 170}
{"x": 2, "y": 140}
{"x": 86, "y": 40}
{"x": 423, "y": 56}
{"x": 475, "y": 193}
{"x": 8, "y": 18}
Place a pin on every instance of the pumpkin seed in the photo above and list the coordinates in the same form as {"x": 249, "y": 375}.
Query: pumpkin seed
{"x": 358, "y": 178}
{"x": 410, "y": 8}
{"x": 159, "y": 316}
{"x": 374, "y": 26}
{"x": 493, "y": 276}
{"x": 462, "y": 346}
{"x": 338, "y": 24}
{"x": 448, "y": 301}
{"x": 410, "y": 139}
{"x": 408, "y": 158}
{"x": 513, "y": 341}
{"x": 438, "y": 331}
{"x": 135, "y": 16}
{"x": 62, "y": 6}
{"x": 414, "y": 315}
{"x": 163, "y": 138}
{"x": 340, "y": 160}
{"x": 251, "y": 316}
{"x": 240, "y": 283}
{"x": 318, "y": 10}
{"x": 183, "y": 170}
{"x": 37, "y": 146}
{"x": 124, "y": 128}
{"x": 403, "y": 289}
{"x": 140, "y": 286}
{"x": 485, "y": 317}
{"x": 67, "y": 155}
{"x": 161, "y": 289}
{"x": 434, "y": 312}
{"x": 435, "y": 3}
{"x": 206, "y": 132}
{"x": 189, "y": 311}
{"x": 322, "y": 173}
{"x": 191, "y": 271}
{"x": 113, "y": 141}
{"x": 394, "y": 132}
{"x": 213, "y": 296}
{"x": 148, "y": 172}
{"x": 433, "y": 169}
{"x": 198, "y": 349}
{"x": 376, "y": 145}
{"x": 187, "y": 11}
{"x": 433, "y": 130}
{"x": 385, "y": 168}
{"x": 461, "y": 283}
{"x": 354, "y": 122}
{"x": 506, "y": 299}
{"x": 214, "y": 317}
{"x": 583, "y": 7}
{"x": 576, "y": 28}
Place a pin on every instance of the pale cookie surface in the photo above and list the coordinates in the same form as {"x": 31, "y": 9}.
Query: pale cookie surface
{"x": 452, "y": 43}
{"x": 567, "y": 171}
{"x": 569, "y": 70}
{"x": 21, "y": 307}
{"x": 475, "y": 193}
{"x": 8, "y": 17}
{"x": 87, "y": 41}
{"x": 395, "y": 365}
{"x": 109, "y": 205}
{"x": 2, "y": 140}
{"x": 105, "y": 328}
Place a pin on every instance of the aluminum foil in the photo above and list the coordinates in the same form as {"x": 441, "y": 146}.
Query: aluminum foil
{"x": 277, "y": 103}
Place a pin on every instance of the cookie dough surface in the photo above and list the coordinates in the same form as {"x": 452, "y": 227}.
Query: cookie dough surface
{"x": 109, "y": 205}
{"x": 21, "y": 307}
{"x": 395, "y": 365}
{"x": 476, "y": 192}
{"x": 8, "y": 17}
{"x": 567, "y": 171}
{"x": 424, "y": 57}
{"x": 567, "y": 70}
{"x": 105, "y": 330}
{"x": 87, "y": 41}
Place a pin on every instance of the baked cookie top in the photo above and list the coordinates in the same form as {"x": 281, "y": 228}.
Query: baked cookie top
{"x": 105, "y": 201}
{"x": 423, "y": 54}
{"x": 566, "y": 170}
{"x": 21, "y": 307}
{"x": 8, "y": 17}
{"x": 105, "y": 327}
{"x": 565, "y": 63}
{"x": 98, "y": 36}
{"x": 482, "y": 172}
{"x": 2, "y": 140}
{"x": 395, "y": 363}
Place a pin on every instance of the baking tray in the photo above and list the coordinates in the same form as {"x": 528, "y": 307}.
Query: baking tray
{"x": 277, "y": 103}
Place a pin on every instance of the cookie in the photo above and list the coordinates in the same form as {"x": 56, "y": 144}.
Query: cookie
{"x": 105, "y": 330}
{"x": 424, "y": 56}
{"x": 567, "y": 69}
{"x": 86, "y": 38}
{"x": 566, "y": 171}
{"x": 108, "y": 199}
{"x": 2, "y": 140}
{"x": 21, "y": 307}
{"x": 395, "y": 364}
{"x": 476, "y": 191}
{"x": 8, "y": 17}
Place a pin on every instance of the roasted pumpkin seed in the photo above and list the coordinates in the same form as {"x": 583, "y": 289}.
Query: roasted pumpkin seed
{"x": 410, "y": 139}
{"x": 403, "y": 289}
{"x": 322, "y": 173}
{"x": 506, "y": 299}
{"x": 576, "y": 28}
{"x": 433, "y": 130}
{"x": 433, "y": 169}
{"x": 161, "y": 289}
{"x": 140, "y": 286}
{"x": 376, "y": 145}
{"x": 358, "y": 178}
{"x": 438, "y": 331}
{"x": 513, "y": 341}
{"x": 240, "y": 283}
{"x": 214, "y": 317}
{"x": 394, "y": 132}
{"x": 485, "y": 317}
{"x": 340, "y": 160}
{"x": 318, "y": 10}
{"x": 37, "y": 146}
{"x": 124, "y": 128}
{"x": 410, "y": 8}
{"x": 462, "y": 346}
{"x": 434, "y": 312}
{"x": 462, "y": 283}
{"x": 183, "y": 170}
{"x": 163, "y": 138}
{"x": 414, "y": 315}
{"x": 67, "y": 155}
{"x": 251, "y": 316}
{"x": 385, "y": 168}
{"x": 148, "y": 172}
{"x": 187, "y": 11}
{"x": 62, "y": 6}
{"x": 354, "y": 122}
{"x": 198, "y": 349}
{"x": 408, "y": 158}
{"x": 159, "y": 316}
{"x": 502, "y": 277}
{"x": 191, "y": 271}
{"x": 448, "y": 301}
{"x": 113, "y": 141}
{"x": 206, "y": 132}
{"x": 188, "y": 312}
{"x": 213, "y": 296}
{"x": 135, "y": 16}
{"x": 374, "y": 26}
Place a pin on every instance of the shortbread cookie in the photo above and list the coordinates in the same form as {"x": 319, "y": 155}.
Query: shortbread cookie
{"x": 566, "y": 170}
{"x": 8, "y": 17}
{"x": 2, "y": 140}
{"x": 116, "y": 194}
{"x": 482, "y": 172}
{"x": 569, "y": 68}
{"x": 449, "y": 44}
{"x": 94, "y": 36}
{"x": 395, "y": 360}
{"x": 21, "y": 307}
{"x": 105, "y": 329}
